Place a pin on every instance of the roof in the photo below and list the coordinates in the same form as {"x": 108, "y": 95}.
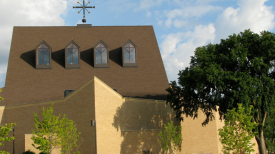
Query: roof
{"x": 25, "y": 84}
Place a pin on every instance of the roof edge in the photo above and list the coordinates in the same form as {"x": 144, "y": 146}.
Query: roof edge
{"x": 107, "y": 87}
{"x": 143, "y": 99}
{"x": 52, "y": 101}
{"x": 94, "y": 78}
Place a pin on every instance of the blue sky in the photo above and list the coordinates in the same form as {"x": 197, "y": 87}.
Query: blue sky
{"x": 180, "y": 25}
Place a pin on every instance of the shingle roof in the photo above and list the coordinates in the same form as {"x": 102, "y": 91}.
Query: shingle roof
{"x": 25, "y": 84}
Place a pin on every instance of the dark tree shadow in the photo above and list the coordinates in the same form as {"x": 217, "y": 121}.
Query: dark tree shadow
{"x": 29, "y": 57}
{"x": 140, "y": 123}
{"x": 88, "y": 56}
{"x": 59, "y": 57}
{"x": 116, "y": 56}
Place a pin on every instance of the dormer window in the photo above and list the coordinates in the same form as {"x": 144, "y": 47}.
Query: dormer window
{"x": 129, "y": 54}
{"x": 101, "y": 55}
{"x": 43, "y": 55}
{"x": 72, "y": 55}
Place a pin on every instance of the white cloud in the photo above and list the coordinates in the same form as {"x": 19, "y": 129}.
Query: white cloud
{"x": 146, "y": 4}
{"x": 159, "y": 22}
{"x": 3, "y": 70}
{"x": 33, "y": 13}
{"x": 180, "y": 15}
{"x": 192, "y": 11}
{"x": 79, "y": 22}
{"x": 168, "y": 22}
{"x": 2, "y": 79}
{"x": 148, "y": 14}
{"x": 120, "y": 5}
{"x": 251, "y": 14}
{"x": 176, "y": 49}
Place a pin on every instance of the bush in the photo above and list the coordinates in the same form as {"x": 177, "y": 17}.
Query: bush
{"x": 42, "y": 153}
{"x": 28, "y": 152}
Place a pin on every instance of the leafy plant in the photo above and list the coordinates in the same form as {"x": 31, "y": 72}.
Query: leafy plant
{"x": 46, "y": 136}
{"x": 53, "y": 133}
{"x": 236, "y": 135}
{"x": 170, "y": 138}
{"x": 28, "y": 152}
{"x": 269, "y": 131}
{"x": 4, "y": 131}
{"x": 69, "y": 137}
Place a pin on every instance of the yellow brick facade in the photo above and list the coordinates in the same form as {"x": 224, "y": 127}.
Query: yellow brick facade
{"x": 123, "y": 125}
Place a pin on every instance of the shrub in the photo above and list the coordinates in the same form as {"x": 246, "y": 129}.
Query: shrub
{"x": 28, "y": 152}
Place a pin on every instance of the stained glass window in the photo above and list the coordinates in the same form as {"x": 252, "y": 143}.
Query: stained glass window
{"x": 101, "y": 54}
{"x": 43, "y": 55}
{"x": 129, "y": 54}
{"x": 72, "y": 54}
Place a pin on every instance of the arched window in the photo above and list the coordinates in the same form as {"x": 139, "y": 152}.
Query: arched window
{"x": 72, "y": 55}
{"x": 43, "y": 55}
{"x": 101, "y": 55}
{"x": 129, "y": 53}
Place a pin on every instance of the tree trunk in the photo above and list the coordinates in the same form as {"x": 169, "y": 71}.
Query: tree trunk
{"x": 261, "y": 142}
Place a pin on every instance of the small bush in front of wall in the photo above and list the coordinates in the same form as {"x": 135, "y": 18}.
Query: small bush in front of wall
{"x": 42, "y": 153}
{"x": 28, "y": 152}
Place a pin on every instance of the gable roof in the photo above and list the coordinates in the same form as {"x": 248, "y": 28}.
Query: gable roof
{"x": 26, "y": 84}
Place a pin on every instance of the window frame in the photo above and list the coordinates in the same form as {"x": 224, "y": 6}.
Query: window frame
{"x": 68, "y": 92}
{"x": 43, "y": 66}
{"x": 66, "y": 49}
{"x": 101, "y": 65}
{"x": 129, "y": 64}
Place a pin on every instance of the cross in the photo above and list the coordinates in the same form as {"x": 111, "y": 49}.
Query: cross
{"x": 83, "y": 7}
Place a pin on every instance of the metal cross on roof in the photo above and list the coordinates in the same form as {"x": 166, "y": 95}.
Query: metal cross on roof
{"x": 83, "y": 7}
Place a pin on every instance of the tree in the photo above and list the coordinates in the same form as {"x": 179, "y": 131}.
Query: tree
{"x": 46, "y": 134}
{"x": 238, "y": 70}
{"x": 236, "y": 135}
{"x": 69, "y": 137}
{"x": 170, "y": 138}
{"x": 269, "y": 131}
{"x": 54, "y": 133}
{"x": 4, "y": 131}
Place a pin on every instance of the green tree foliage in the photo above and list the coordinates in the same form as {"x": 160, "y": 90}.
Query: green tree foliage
{"x": 269, "y": 131}
{"x": 170, "y": 138}
{"x": 69, "y": 137}
{"x": 4, "y": 131}
{"x": 46, "y": 136}
{"x": 236, "y": 135}
{"x": 238, "y": 70}
{"x": 28, "y": 152}
{"x": 53, "y": 133}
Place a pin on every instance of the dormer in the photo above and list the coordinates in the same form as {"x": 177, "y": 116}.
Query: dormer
{"x": 43, "y": 56}
{"x": 129, "y": 54}
{"x": 101, "y": 55}
{"x": 72, "y": 55}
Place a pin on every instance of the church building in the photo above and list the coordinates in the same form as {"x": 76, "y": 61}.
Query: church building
{"x": 110, "y": 80}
